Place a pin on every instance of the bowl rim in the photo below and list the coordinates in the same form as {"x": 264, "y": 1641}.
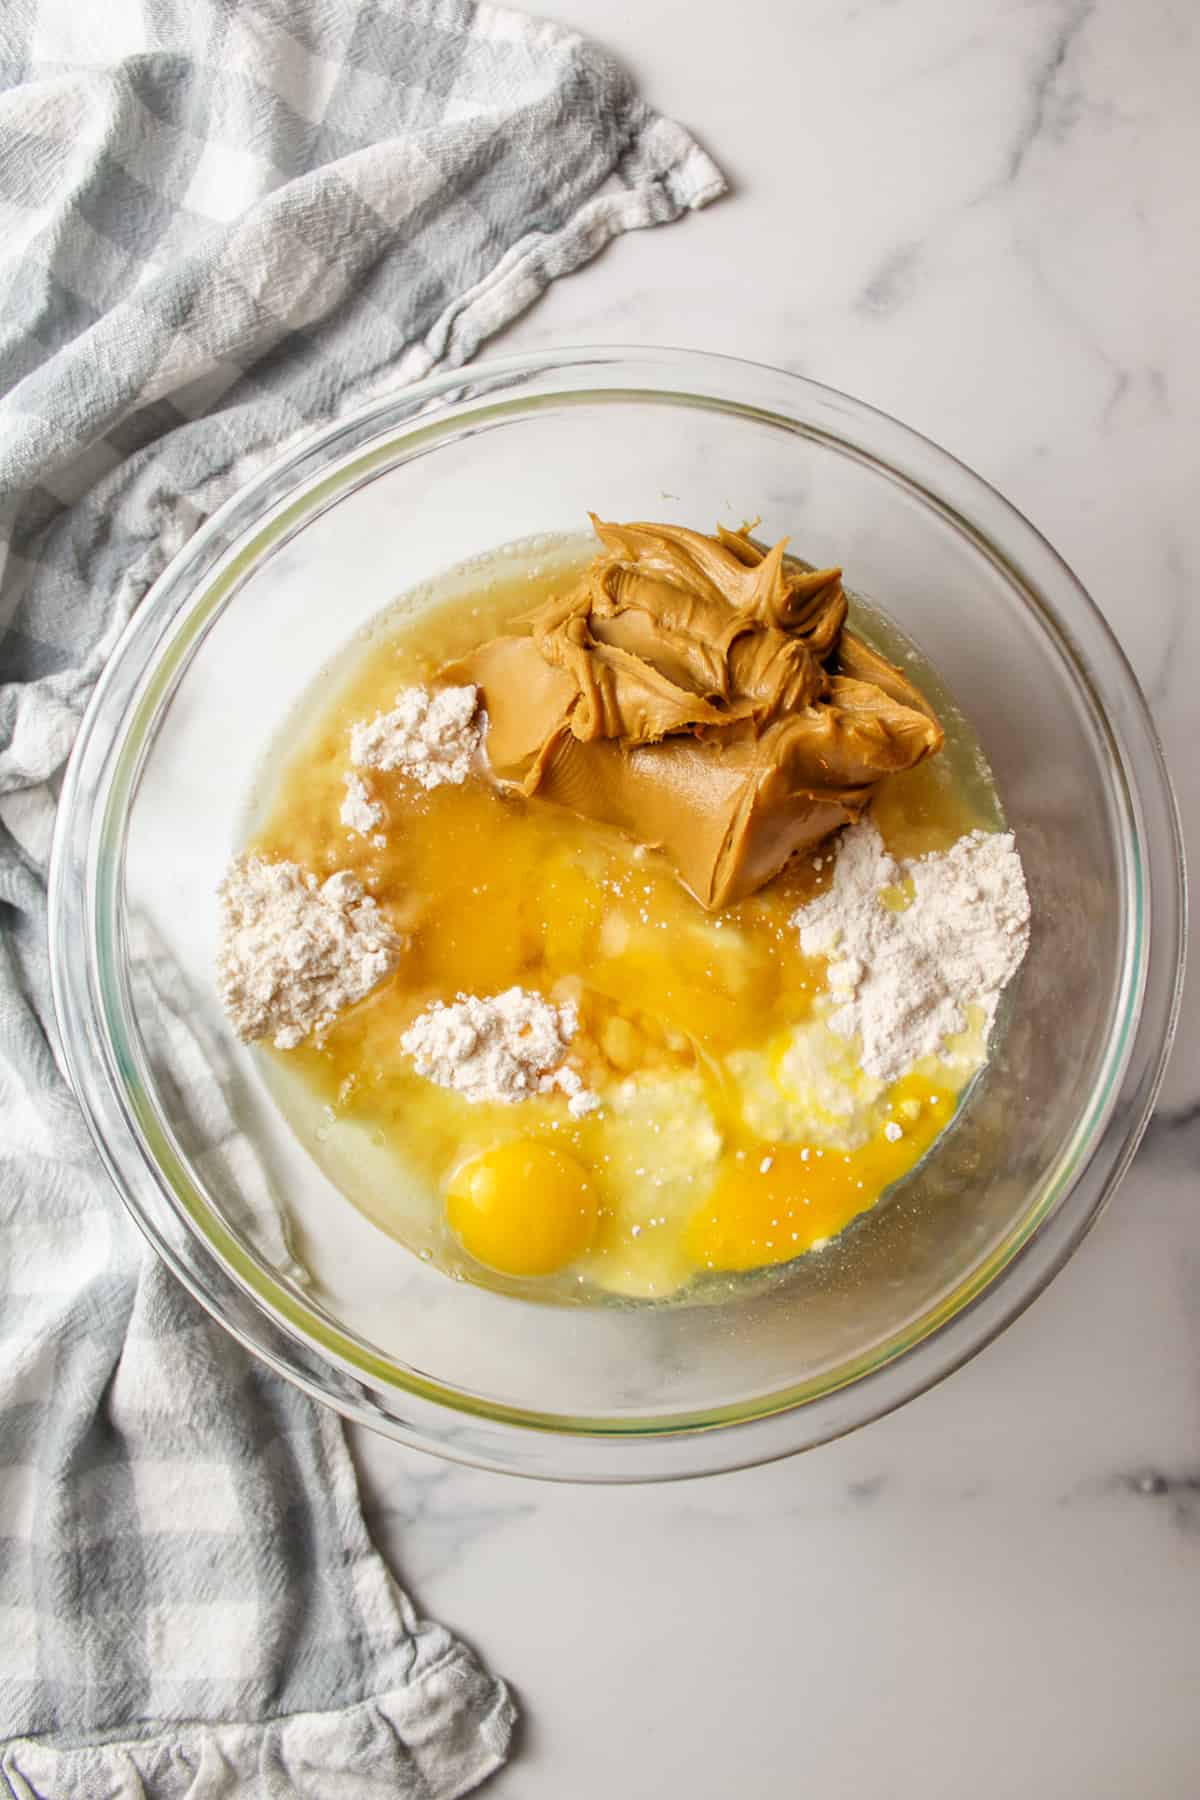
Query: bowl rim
{"x": 236, "y": 1286}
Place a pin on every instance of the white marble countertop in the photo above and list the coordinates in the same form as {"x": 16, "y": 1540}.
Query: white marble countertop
{"x": 982, "y": 218}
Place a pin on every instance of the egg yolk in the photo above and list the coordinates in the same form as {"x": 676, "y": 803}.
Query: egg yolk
{"x": 775, "y": 1201}
{"x": 522, "y": 1208}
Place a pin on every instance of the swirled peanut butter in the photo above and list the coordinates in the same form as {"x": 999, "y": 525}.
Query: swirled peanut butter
{"x": 704, "y": 695}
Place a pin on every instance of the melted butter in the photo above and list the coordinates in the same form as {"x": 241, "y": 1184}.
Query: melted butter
{"x": 688, "y": 1167}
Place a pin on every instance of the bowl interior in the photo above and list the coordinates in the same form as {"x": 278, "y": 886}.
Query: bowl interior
{"x": 278, "y": 591}
{"x": 508, "y": 477}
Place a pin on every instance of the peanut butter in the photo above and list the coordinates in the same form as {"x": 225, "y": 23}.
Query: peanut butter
{"x": 703, "y": 694}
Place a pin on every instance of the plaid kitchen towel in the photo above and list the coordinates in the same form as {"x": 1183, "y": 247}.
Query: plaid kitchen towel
{"x": 224, "y": 221}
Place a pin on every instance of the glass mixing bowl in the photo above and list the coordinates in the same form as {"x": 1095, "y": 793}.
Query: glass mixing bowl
{"x": 280, "y": 579}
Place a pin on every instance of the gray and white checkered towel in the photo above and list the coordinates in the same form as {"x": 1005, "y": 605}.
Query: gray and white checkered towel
{"x": 223, "y": 221}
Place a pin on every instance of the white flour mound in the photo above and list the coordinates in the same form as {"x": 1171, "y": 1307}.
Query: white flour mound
{"x": 902, "y": 980}
{"x": 431, "y": 736}
{"x": 507, "y": 1048}
{"x": 360, "y": 812}
{"x": 293, "y": 954}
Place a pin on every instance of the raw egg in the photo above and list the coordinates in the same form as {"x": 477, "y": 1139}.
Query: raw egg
{"x": 776, "y": 1201}
{"x": 523, "y": 1208}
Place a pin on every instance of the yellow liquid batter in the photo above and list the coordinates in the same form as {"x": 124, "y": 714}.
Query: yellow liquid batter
{"x": 713, "y": 1150}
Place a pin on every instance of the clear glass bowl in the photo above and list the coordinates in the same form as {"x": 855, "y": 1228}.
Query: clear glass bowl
{"x": 280, "y": 579}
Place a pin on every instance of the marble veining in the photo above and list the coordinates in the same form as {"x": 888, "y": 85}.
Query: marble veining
{"x": 1179, "y": 1491}
{"x": 436, "y": 1519}
{"x": 981, "y": 218}
{"x": 1053, "y": 105}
